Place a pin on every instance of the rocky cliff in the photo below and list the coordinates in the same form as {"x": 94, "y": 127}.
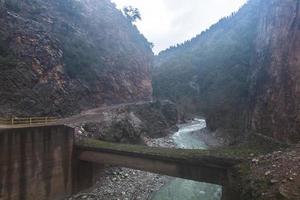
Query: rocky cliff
{"x": 58, "y": 57}
{"x": 241, "y": 74}
{"x": 275, "y": 76}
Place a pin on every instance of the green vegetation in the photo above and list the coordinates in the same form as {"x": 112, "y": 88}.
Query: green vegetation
{"x": 70, "y": 7}
{"x": 133, "y": 14}
{"x": 236, "y": 153}
{"x": 211, "y": 70}
{"x": 139, "y": 149}
{"x": 13, "y": 5}
{"x": 91, "y": 48}
{"x": 8, "y": 61}
{"x": 80, "y": 58}
{"x": 7, "y": 57}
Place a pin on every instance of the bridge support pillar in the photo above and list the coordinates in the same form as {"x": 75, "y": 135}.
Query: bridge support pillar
{"x": 85, "y": 175}
{"x": 230, "y": 190}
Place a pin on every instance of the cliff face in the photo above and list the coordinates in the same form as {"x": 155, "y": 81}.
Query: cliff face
{"x": 63, "y": 56}
{"x": 275, "y": 75}
{"x": 243, "y": 73}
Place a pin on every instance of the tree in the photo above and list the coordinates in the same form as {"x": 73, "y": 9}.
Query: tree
{"x": 133, "y": 14}
{"x": 71, "y": 7}
{"x": 13, "y": 5}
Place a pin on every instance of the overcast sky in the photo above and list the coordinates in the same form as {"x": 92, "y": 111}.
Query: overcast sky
{"x": 169, "y": 22}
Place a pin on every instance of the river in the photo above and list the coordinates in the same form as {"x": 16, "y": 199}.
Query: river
{"x": 181, "y": 189}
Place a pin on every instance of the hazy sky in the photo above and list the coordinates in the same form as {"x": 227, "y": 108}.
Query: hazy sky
{"x": 168, "y": 22}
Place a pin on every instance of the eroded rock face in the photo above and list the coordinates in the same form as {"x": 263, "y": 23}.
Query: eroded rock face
{"x": 117, "y": 126}
{"x": 275, "y": 78}
{"x": 130, "y": 123}
{"x": 58, "y": 57}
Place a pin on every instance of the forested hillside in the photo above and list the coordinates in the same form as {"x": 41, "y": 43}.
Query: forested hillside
{"x": 208, "y": 73}
{"x": 241, "y": 74}
{"x": 58, "y": 57}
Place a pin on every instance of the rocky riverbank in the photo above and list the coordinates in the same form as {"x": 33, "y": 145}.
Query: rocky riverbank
{"x": 211, "y": 139}
{"x": 275, "y": 175}
{"x": 144, "y": 123}
{"x": 117, "y": 183}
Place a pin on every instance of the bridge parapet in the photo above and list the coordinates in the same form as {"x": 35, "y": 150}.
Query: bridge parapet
{"x": 21, "y": 121}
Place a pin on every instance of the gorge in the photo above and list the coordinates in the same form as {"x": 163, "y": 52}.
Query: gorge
{"x": 86, "y": 63}
{"x": 240, "y": 74}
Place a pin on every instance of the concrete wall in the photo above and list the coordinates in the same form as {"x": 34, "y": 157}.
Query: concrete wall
{"x": 35, "y": 163}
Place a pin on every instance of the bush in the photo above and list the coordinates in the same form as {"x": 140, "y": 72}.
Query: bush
{"x": 8, "y": 61}
{"x": 13, "y": 5}
{"x": 7, "y": 57}
{"x": 71, "y": 7}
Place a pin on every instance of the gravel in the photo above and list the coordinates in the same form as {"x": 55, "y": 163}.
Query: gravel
{"x": 117, "y": 183}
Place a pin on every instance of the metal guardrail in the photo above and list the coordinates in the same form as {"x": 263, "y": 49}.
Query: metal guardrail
{"x": 26, "y": 120}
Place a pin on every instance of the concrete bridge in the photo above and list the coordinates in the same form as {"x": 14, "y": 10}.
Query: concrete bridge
{"x": 198, "y": 165}
{"x": 45, "y": 163}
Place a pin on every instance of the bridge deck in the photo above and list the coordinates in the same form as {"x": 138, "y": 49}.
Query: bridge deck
{"x": 201, "y": 165}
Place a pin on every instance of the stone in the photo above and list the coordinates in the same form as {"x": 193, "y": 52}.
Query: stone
{"x": 284, "y": 192}
{"x": 273, "y": 181}
{"x": 255, "y": 160}
{"x": 267, "y": 173}
{"x": 284, "y": 181}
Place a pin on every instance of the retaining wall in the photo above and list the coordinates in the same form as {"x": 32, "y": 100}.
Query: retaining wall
{"x": 35, "y": 163}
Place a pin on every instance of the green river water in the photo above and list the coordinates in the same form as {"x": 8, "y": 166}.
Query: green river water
{"x": 181, "y": 189}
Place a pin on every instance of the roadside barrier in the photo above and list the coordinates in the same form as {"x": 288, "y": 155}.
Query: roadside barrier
{"x": 27, "y": 120}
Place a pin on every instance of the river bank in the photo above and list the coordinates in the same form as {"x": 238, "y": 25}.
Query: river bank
{"x": 189, "y": 137}
{"x": 118, "y": 183}
{"x": 271, "y": 170}
{"x": 128, "y": 184}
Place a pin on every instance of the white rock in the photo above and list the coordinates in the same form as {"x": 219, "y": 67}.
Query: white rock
{"x": 267, "y": 173}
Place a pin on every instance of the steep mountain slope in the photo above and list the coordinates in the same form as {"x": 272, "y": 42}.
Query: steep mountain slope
{"x": 275, "y": 76}
{"x": 208, "y": 74}
{"x": 63, "y": 56}
{"x": 242, "y": 73}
